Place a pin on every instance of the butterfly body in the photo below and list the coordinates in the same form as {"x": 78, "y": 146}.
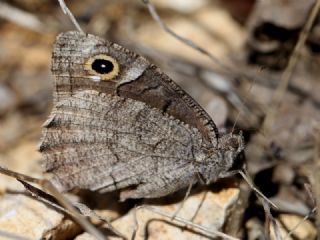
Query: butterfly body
{"x": 119, "y": 123}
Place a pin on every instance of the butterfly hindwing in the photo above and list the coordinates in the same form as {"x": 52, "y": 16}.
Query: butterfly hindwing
{"x": 98, "y": 141}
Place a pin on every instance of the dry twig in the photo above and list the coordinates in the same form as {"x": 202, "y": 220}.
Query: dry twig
{"x": 12, "y": 236}
{"x": 47, "y": 185}
{"x": 21, "y": 17}
{"x": 66, "y": 11}
{"x": 211, "y": 232}
{"x": 287, "y": 73}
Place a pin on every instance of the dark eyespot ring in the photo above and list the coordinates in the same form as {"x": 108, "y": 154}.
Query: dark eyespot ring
{"x": 102, "y": 66}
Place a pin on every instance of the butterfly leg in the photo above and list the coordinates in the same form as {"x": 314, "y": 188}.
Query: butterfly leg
{"x": 192, "y": 182}
{"x": 143, "y": 190}
{"x": 155, "y": 189}
{"x": 229, "y": 174}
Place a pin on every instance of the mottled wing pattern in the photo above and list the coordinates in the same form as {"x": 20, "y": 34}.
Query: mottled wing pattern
{"x": 140, "y": 80}
{"x": 97, "y": 141}
{"x": 120, "y": 123}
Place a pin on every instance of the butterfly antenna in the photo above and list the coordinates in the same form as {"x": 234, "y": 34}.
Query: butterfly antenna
{"x": 67, "y": 12}
{"x": 235, "y": 122}
{"x": 244, "y": 100}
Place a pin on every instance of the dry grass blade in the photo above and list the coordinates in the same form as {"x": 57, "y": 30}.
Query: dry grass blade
{"x": 316, "y": 176}
{"x": 298, "y": 224}
{"x": 12, "y": 236}
{"x": 136, "y": 224}
{"x": 204, "y": 230}
{"x": 233, "y": 98}
{"x": 51, "y": 201}
{"x": 286, "y": 76}
{"x": 84, "y": 223}
{"x": 186, "y": 41}
{"x": 21, "y": 17}
{"x": 257, "y": 191}
{"x": 270, "y": 219}
{"x": 77, "y": 216}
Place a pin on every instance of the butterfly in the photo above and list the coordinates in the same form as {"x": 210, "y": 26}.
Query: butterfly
{"x": 119, "y": 123}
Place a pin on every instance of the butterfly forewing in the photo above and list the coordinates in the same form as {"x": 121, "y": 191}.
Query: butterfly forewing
{"x": 142, "y": 80}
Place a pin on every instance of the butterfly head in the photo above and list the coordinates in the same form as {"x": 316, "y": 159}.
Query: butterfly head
{"x": 232, "y": 146}
{"x": 224, "y": 160}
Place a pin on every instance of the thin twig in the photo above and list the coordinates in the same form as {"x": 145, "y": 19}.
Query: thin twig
{"x": 299, "y": 223}
{"x": 287, "y": 74}
{"x": 21, "y": 17}
{"x": 316, "y": 175}
{"x": 266, "y": 206}
{"x": 19, "y": 176}
{"x": 86, "y": 211}
{"x": 270, "y": 218}
{"x": 46, "y": 184}
{"x": 232, "y": 97}
{"x": 77, "y": 216}
{"x": 136, "y": 224}
{"x": 12, "y": 236}
{"x": 212, "y": 232}
{"x": 246, "y": 177}
{"x": 66, "y": 11}
{"x": 308, "y": 189}
{"x": 184, "y": 40}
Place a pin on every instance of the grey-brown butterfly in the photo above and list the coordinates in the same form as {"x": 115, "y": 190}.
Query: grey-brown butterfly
{"x": 119, "y": 123}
